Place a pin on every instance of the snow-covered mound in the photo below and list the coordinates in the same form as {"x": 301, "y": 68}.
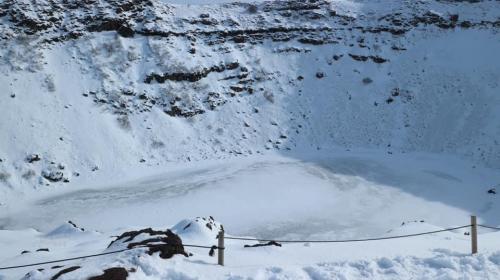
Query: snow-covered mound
{"x": 66, "y": 229}
{"x": 91, "y": 89}
{"x": 199, "y": 229}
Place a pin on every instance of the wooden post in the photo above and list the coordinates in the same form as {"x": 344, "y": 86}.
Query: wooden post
{"x": 473, "y": 234}
{"x": 221, "y": 248}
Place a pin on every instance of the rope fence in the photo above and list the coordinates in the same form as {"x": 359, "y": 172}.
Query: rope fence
{"x": 220, "y": 248}
{"x": 63, "y": 260}
{"x": 490, "y": 227}
{"x": 97, "y": 255}
{"x": 347, "y": 240}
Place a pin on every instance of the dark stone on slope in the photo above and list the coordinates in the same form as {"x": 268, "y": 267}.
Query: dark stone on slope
{"x": 75, "y": 226}
{"x": 32, "y": 158}
{"x": 337, "y": 57}
{"x": 125, "y": 31}
{"x": 177, "y": 111}
{"x": 395, "y": 92}
{"x": 358, "y": 57}
{"x": 165, "y": 242}
{"x": 114, "y": 273}
{"x": 396, "y": 48}
{"x": 52, "y": 175}
{"x": 312, "y": 41}
{"x": 190, "y": 76}
{"x": 367, "y": 80}
{"x": 239, "y": 39}
{"x": 465, "y": 24}
{"x": 204, "y": 21}
{"x": 130, "y": 235}
{"x": 64, "y": 271}
{"x": 33, "y": 26}
{"x": 378, "y": 59}
{"x": 237, "y": 88}
{"x": 214, "y": 100}
{"x": 112, "y": 24}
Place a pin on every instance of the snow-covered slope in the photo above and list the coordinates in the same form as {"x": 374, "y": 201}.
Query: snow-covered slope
{"x": 95, "y": 88}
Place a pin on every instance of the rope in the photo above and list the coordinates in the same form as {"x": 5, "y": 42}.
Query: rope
{"x": 101, "y": 254}
{"x": 346, "y": 240}
{"x": 490, "y": 227}
{"x": 204, "y": 247}
{"x": 69, "y": 259}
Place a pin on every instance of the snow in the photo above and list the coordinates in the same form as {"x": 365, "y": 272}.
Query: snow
{"x": 369, "y": 150}
{"x": 196, "y": 230}
{"x": 390, "y": 259}
{"x": 368, "y": 194}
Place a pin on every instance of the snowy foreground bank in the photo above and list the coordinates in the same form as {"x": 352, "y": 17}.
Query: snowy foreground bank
{"x": 349, "y": 195}
{"x": 439, "y": 256}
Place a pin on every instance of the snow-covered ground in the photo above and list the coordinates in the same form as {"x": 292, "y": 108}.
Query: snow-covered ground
{"x": 411, "y": 258}
{"x": 281, "y": 119}
{"x": 329, "y": 196}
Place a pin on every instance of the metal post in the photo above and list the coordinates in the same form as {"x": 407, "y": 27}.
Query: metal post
{"x": 473, "y": 234}
{"x": 221, "y": 248}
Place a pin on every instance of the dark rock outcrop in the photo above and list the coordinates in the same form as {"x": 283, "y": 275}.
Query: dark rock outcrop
{"x": 190, "y": 76}
{"x": 53, "y": 175}
{"x": 32, "y": 158}
{"x": 114, "y": 273}
{"x": 166, "y": 242}
{"x": 64, "y": 271}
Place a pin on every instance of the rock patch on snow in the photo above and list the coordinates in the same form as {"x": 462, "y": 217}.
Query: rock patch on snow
{"x": 165, "y": 242}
